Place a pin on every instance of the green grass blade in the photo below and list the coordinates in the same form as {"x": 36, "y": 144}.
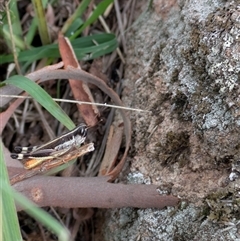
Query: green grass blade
{"x": 17, "y": 40}
{"x": 40, "y": 215}
{"x": 31, "y": 32}
{"x": 16, "y": 23}
{"x": 41, "y": 96}
{"x": 37, "y": 213}
{"x": 33, "y": 27}
{"x": 76, "y": 15}
{"x": 9, "y": 227}
{"x": 74, "y": 26}
{"x": 85, "y": 48}
{"x": 42, "y": 24}
{"x": 100, "y": 9}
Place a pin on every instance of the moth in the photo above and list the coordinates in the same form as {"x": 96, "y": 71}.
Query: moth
{"x": 33, "y": 156}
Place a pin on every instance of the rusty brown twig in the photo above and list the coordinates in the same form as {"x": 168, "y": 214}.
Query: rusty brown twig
{"x": 72, "y": 192}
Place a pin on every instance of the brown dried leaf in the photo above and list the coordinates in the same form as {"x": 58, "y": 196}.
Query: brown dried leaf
{"x": 80, "y": 90}
{"x": 113, "y": 144}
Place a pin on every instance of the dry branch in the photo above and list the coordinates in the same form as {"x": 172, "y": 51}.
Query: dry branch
{"x": 75, "y": 192}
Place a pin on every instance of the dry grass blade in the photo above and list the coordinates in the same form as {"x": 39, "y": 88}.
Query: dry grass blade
{"x": 112, "y": 149}
{"x": 6, "y": 115}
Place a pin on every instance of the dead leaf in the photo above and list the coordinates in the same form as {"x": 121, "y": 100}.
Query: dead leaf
{"x": 112, "y": 148}
{"x": 80, "y": 89}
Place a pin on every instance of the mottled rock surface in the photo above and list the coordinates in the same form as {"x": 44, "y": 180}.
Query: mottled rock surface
{"x": 183, "y": 67}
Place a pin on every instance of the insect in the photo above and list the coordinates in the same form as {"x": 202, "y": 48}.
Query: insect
{"x": 52, "y": 163}
{"x": 33, "y": 156}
